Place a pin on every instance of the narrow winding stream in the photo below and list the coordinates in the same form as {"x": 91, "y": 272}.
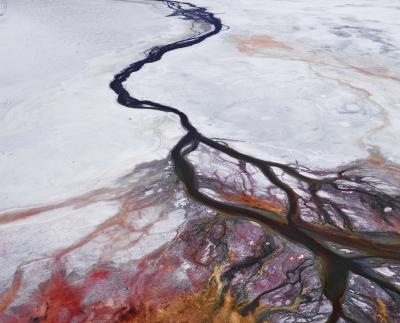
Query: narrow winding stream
{"x": 335, "y": 266}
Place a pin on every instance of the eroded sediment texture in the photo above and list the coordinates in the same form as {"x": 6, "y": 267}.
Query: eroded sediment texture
{"x": 348, "y": 218}
{"x": 158, "y": 256}
{"x": 161, "y": 257}
{"x": 211, "y": 234}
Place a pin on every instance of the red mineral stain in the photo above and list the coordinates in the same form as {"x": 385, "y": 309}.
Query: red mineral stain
{"x": 8, "y": 296}
{"x": 273, "y": 205}
{"x": 77, "y": 201}
{"x": 256, "y": 44}
{"x": 63, "y": 300}
{"x": 99, "y": 275}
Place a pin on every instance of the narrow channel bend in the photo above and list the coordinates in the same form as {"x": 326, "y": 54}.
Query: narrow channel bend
{"x": 335, "y": 266}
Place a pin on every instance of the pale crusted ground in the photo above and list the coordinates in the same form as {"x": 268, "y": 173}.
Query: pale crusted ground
{"x": 290, "y": 81}
{"x": 315, "y": 82}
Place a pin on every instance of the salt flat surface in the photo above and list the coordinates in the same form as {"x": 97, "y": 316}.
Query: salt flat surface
{"x": 306, "y": 81}
{"x": 61, "y": 131}
{"x": 289, "y": 81}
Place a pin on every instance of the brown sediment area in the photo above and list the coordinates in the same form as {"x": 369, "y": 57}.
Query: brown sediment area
{"x": 197, "y": 307}
{"x": 258, "y": 43}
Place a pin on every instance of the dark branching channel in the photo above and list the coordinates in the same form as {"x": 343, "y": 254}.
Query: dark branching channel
{"x": 337, "y": 244}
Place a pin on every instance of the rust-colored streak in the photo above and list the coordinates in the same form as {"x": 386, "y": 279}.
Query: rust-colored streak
{"x": 369, "y": 97}
{"x": 273, "y": 205}
{"x": 8, "y": 296}
{"x": 256, "y": 44}
{"x": 250, "y": 271}
{"x": 366, "y": 71}
{"x": 390, "y": 169}
{"x": 76, "y": 201}
{"x": 259, "y": 44}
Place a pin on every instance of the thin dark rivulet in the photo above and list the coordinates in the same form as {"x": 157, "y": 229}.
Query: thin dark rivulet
{"x": 335, "y": 265}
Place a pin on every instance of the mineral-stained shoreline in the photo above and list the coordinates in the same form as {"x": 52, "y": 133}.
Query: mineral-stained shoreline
{"x": 277, "y": 205}
{"x": 208, "y": 266}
